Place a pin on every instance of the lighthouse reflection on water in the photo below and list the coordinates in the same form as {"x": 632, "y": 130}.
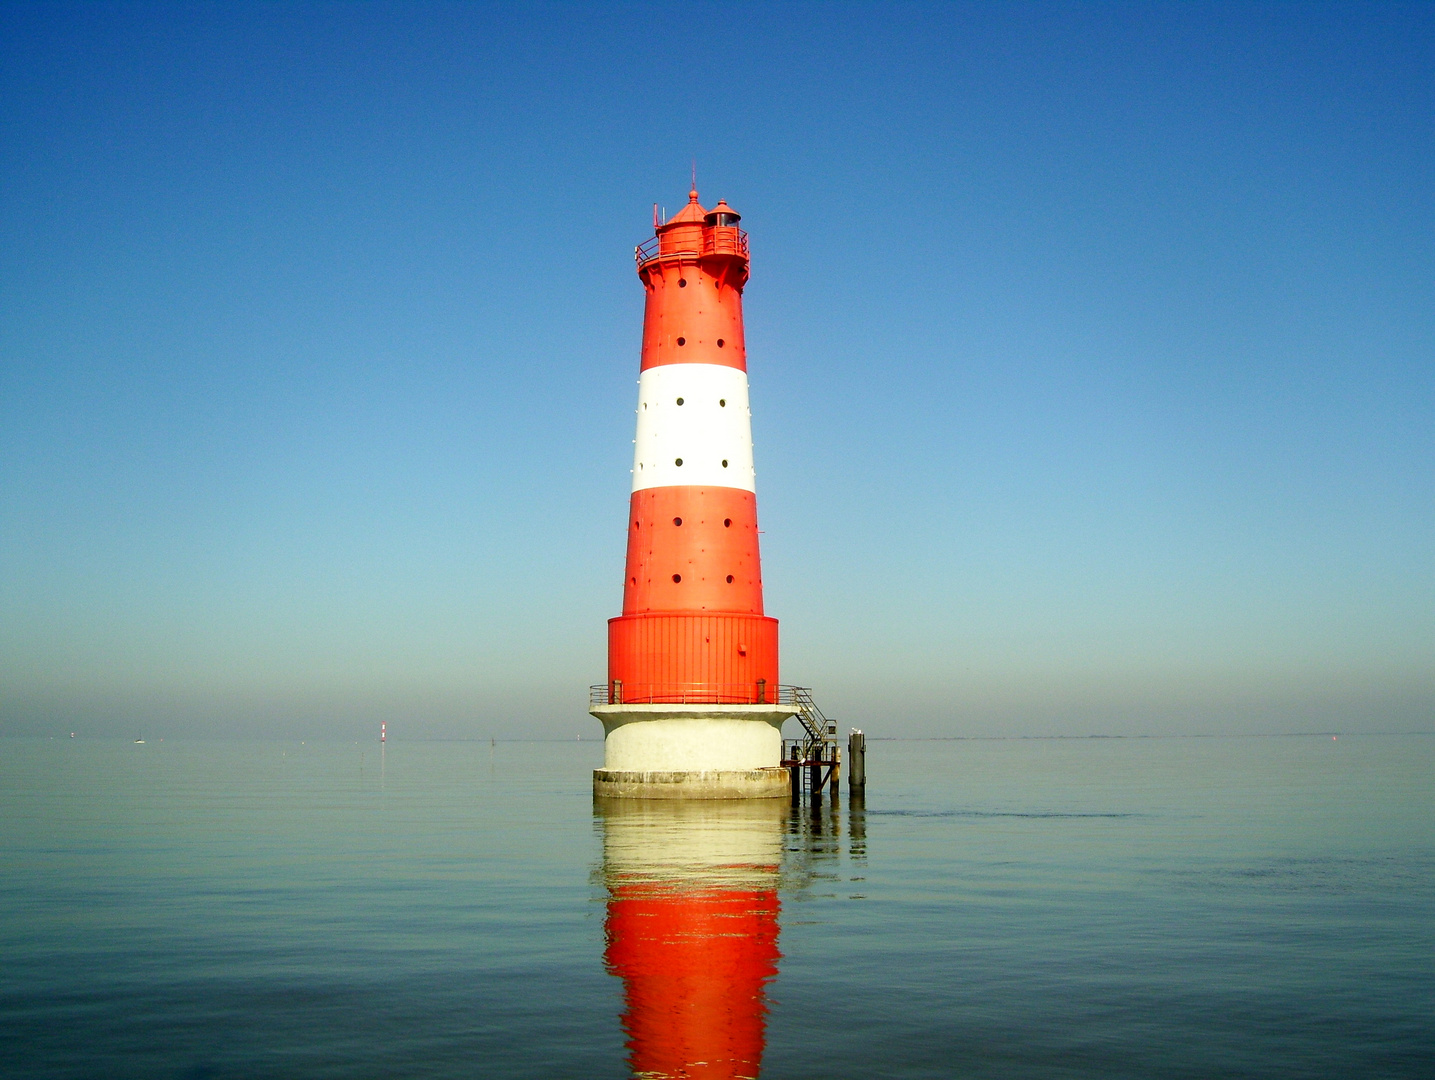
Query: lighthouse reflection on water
{"x": 693, "y": 913}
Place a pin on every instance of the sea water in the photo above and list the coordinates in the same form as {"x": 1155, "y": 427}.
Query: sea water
{"x": 1174, "y": 907}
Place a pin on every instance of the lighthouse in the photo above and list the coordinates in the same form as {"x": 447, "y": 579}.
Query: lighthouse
{"x": 691, "y": 706}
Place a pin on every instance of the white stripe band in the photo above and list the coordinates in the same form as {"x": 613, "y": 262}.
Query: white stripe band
{"x": 711, "y": 427}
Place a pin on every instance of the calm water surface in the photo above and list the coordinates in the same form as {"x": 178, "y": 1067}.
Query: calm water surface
{"x": 1030, "y": 908}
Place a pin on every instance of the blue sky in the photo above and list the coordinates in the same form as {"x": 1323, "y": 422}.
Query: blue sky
{"x": 1092, "y": 352}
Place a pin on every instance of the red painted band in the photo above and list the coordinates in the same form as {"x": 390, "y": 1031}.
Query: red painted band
{"x": 692, "y": 549}
{"x": 693, "y": 314}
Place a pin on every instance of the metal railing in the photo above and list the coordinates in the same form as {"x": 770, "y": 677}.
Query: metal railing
{"x": 698, "y": 693}
{"x": 718, "y": 240}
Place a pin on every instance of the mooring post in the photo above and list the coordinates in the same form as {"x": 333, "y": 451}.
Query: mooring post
{"x": 856, "y": 761}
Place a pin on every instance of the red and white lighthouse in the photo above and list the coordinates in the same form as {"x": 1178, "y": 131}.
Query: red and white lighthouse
{"x": 690, "y": 706}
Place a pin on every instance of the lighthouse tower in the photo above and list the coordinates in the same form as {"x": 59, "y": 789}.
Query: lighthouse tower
{"x": 690, "y": 708}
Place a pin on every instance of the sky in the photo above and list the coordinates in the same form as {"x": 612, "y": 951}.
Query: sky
{"x": 1092, "y": 353}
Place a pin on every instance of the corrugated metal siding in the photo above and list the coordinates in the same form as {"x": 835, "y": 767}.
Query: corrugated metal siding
{"x": 692, "y": 657}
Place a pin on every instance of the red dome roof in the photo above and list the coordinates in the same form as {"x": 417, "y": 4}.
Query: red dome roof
{"x": 693, "y": 213}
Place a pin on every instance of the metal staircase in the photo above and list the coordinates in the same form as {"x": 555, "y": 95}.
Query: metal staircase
{"x": 816, "y": 754}
{"x": 818, "y": 731}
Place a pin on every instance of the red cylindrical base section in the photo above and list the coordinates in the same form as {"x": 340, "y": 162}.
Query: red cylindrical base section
{"x": 708, "y": 658}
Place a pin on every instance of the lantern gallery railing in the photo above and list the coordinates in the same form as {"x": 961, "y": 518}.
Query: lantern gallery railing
{"x": 724, "y": 240}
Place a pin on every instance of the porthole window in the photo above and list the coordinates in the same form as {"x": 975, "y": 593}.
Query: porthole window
{"x": 729, "y": 579}
{"x": 722, "y": 401}
{"x": 724, "y": 463}
{"x": 727, "y": 523}
{"x": 678, "y": 462}
{"x": 720, "y": 343}
{"x": 682, "y": 341}
{"x": 682, "y": 283}
{"x": 680, "y": 401}
{"x": 677, "y": 521}
{"x": 677, "y": 578}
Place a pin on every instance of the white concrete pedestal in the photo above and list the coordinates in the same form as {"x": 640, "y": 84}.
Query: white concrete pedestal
{"x": 692, "y": 751}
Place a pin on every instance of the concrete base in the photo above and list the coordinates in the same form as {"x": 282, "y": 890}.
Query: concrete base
{"x": 751, "y": 784}
{"x": 692, "y": 751}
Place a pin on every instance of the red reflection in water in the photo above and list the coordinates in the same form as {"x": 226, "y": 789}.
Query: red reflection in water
{"x": 693, "y": 962}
